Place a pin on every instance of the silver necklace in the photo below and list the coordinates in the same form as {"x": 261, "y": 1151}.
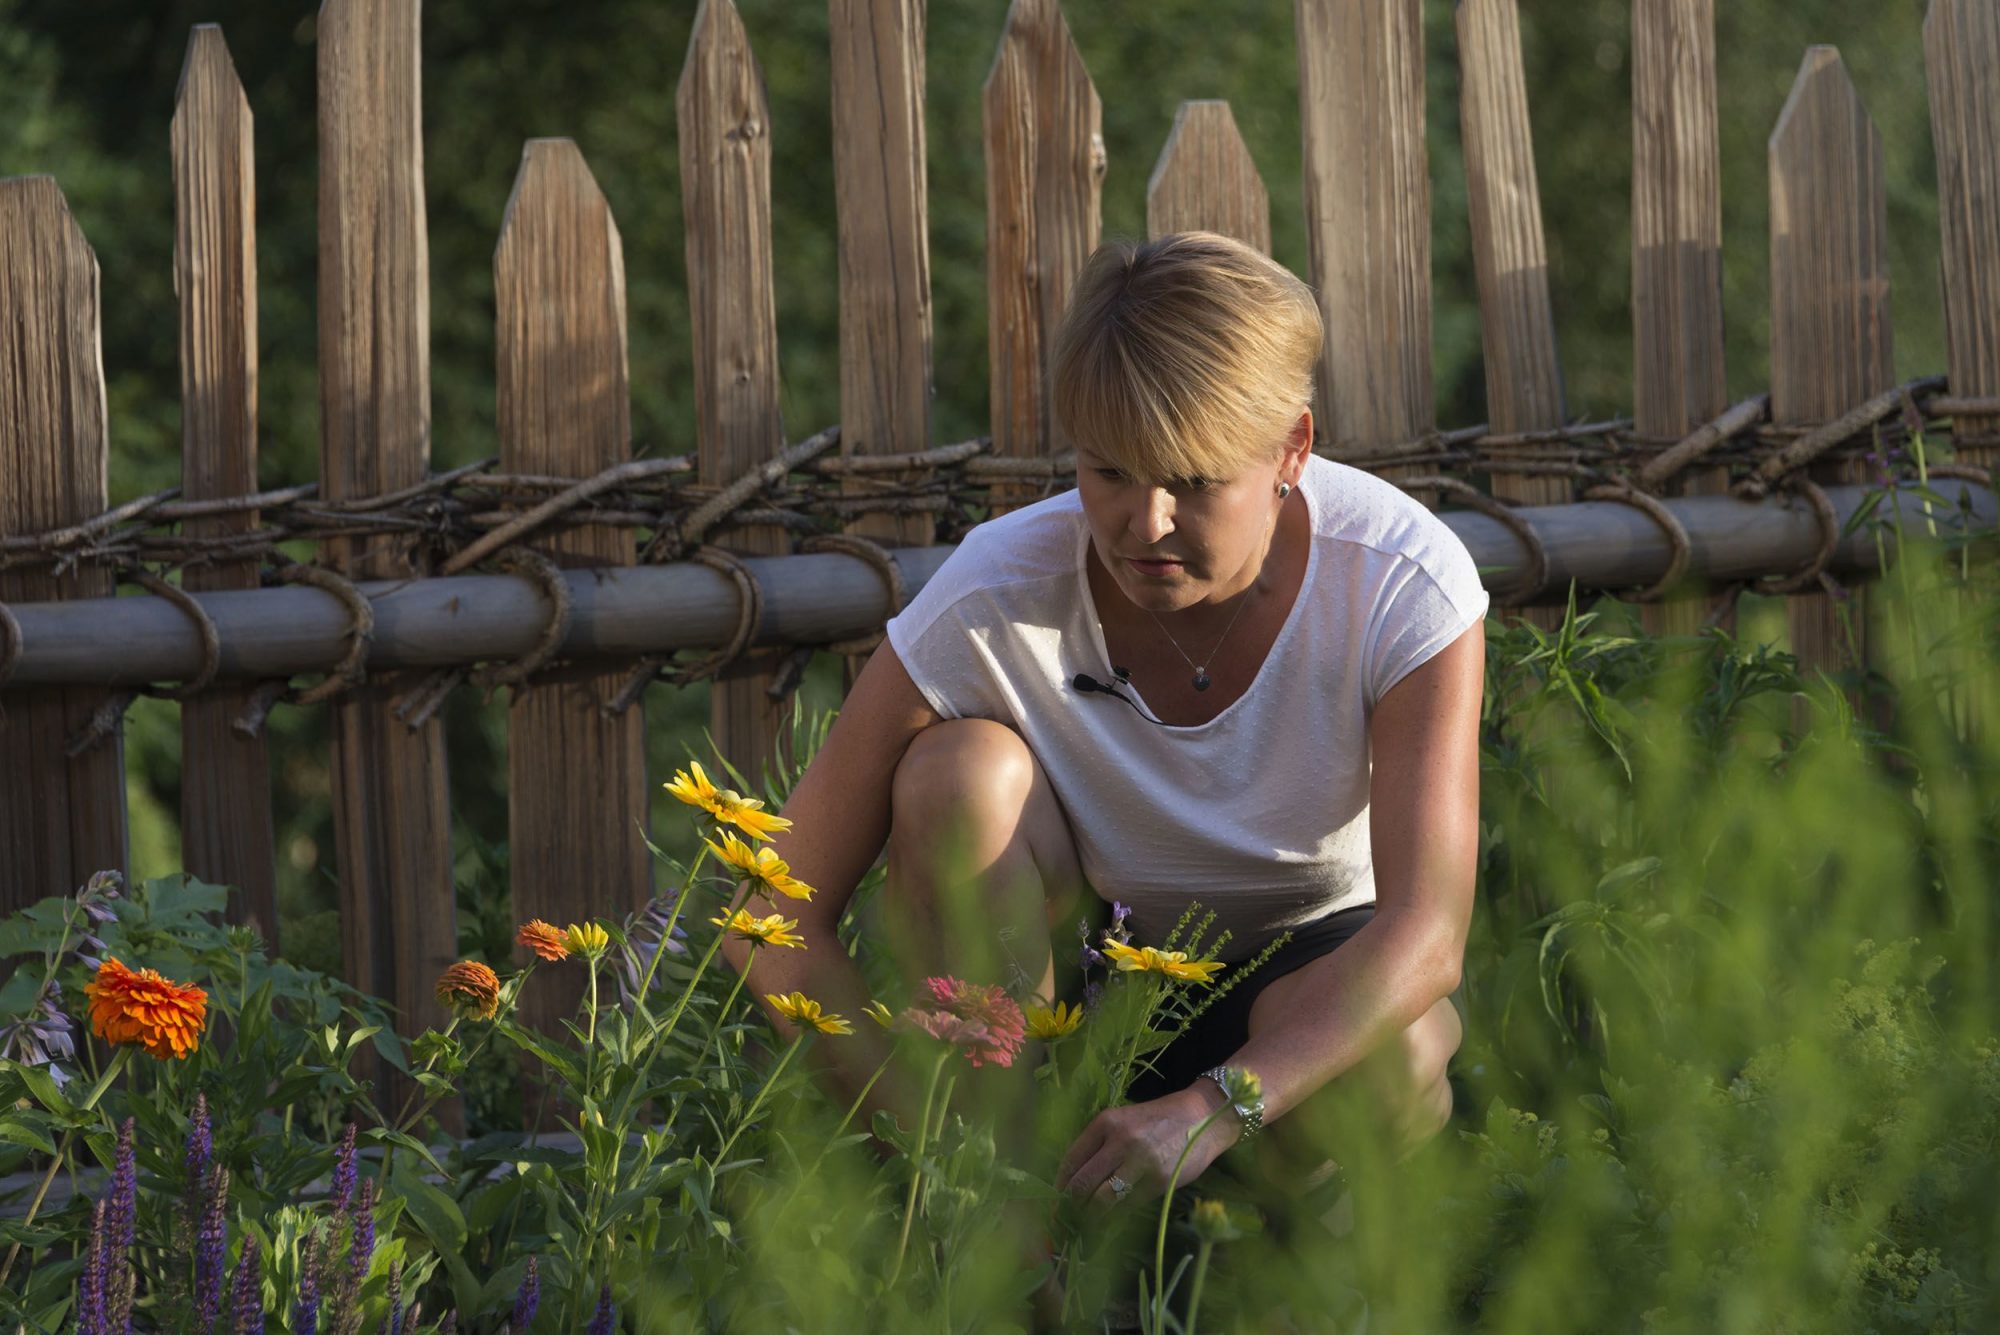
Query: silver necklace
{"x": 1202, "y": 681}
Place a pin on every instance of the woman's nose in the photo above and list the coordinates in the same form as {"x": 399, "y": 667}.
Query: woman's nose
{"x": 1153, "y": 519}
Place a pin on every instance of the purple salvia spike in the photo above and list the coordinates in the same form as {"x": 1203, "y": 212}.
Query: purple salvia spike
{"x": 602, "y": 1323}
{"x": 343, "y": 1171}
{"x": 246, "y": 1315}
{"x": 528, "y": 1297}
{"x": 396, "y": 1296}
{"x": 211, "y": 1251}
{"x": 363, "y": 1246}
{"x": 305, "y": 1312}
{"x": 200, "y": 1144}
{"x": 121, "y": 1225}
{"x": 90, "y": 1289}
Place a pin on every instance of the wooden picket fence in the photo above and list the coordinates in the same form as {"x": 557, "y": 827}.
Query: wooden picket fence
{"x": 578, "y": 791}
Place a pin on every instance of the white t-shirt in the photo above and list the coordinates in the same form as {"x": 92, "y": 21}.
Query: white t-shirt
{"x": 1262, "y": 812}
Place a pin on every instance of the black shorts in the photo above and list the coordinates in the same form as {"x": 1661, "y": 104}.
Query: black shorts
{"x": 1224, "y": 1027}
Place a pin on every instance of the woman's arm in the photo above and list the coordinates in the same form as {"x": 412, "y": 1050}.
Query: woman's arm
{"x": 1323, "y": 1019}
{"x": 840, "y": 820}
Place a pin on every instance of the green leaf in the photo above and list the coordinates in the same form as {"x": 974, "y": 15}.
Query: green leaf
{"x": 18, "y": 1130}
{"x": 382, "y": 1135}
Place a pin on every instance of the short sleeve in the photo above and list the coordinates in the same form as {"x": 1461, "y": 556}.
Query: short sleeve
{"x": 941, "y": 644}
{"x": 1429, "y": 603}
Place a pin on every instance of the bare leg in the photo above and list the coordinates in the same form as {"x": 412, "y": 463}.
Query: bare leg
{"x": 981, "y": 859}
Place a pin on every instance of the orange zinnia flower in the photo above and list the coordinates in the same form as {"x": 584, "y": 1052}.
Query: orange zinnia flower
{"x": 544, "y": 939}
{"x": 470, "y": 988}
{"x": 164, "y": 1017}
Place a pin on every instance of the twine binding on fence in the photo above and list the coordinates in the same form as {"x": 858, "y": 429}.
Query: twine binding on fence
{"x": 474, "y": 515}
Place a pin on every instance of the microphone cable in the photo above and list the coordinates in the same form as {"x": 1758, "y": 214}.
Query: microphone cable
{"x": 1086, "y": 684}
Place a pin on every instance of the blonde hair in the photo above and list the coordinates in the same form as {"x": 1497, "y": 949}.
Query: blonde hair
{"x": 1190, "y": 355}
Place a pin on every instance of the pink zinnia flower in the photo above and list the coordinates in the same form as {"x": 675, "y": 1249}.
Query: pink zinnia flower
{"x": 983, "y": 1019}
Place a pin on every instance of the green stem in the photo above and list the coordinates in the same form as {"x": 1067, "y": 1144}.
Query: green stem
{"x": 1200, "y": 1273}
{"x": 722, "y": 1016}
{"x": 917, "y": 1168}
{"x": 750, "y": 1113}
{"x": 117, "y": 1064}
{"x": 1166, "y": 1207}
{"x": 667, "y": 932}
{"x": 667, "y": 1026}
{"x": 852, "y": 1109}
{"x": 590, "y": 1037}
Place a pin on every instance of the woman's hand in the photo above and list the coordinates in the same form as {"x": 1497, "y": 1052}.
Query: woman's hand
{"x": 1141, "y": 1142}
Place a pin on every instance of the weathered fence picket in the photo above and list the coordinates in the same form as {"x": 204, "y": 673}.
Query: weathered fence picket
{"x": 1962, "y": 57}
{"x": 1677, "y": 356}
{"x": 577, "y": 798}
{"x": 1045, "y": 163}
{"x": 1524, "y": 386}
{"x": 391, "y": 815}
{"x": 1368, "y": 220}
{"x": 884, "y": 241}
{"x": 227, "y": 836}
{"x": 1205, "y": 179}
{"x": 1830, "y": 332}
{"x": 725, "y": 131}
{"x": 62, "y": 817}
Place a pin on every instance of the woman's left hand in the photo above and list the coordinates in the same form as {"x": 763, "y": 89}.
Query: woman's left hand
{"x": 1139, "y": 1143}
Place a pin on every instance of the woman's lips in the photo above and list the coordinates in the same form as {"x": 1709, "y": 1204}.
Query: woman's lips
{"x": 1153, "y": 567}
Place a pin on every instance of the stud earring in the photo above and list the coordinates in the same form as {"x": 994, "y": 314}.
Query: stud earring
{"x": 1284, "y": 490}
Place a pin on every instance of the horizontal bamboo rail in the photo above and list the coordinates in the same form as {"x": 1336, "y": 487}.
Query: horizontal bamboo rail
{"x": 816, "y": 598}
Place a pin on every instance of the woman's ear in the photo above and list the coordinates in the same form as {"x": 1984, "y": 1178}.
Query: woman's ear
{"x": 1299, "y": 444}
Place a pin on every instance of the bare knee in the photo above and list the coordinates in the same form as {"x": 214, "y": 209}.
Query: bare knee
{"x": 962, "y": 769}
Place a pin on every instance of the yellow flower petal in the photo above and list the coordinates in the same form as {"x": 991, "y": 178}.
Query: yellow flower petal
{"x": 773, "y": 930}
{"x": 587, "y": 938}
{"x": 1044, "y": 1023}
{"x": 805, "y": 1012}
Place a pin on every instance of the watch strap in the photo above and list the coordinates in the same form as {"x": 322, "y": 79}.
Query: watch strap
{"x": 1251, "y": 1115}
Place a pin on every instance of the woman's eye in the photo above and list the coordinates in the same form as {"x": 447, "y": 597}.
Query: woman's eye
{"x": 1196, "y": 483}
{"x": 1111, "y": 474}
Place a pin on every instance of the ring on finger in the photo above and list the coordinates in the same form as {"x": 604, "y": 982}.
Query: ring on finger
{"x": 1119, "y": 1187}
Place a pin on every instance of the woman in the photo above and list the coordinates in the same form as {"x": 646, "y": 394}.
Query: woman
{"x": 1165, "y": 686}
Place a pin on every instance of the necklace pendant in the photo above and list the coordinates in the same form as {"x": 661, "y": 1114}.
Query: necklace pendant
{"x": 1201, "y": 680}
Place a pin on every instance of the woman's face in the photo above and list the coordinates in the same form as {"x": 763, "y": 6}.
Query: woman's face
{"x": 1192, "y": 540}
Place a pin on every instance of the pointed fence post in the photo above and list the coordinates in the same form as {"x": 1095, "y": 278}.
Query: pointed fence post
{"x": 1368, "y": 220}
{"x": 392, "y": 824}
{"x": 884, "y": 241}
{"x": 62, "y": 817}
{"x": 1524, "y": 388}
{"x": 226, "y": 832}
{"x": 1205, "y": 179}
{"x": 1044, "y": 132}
{"x": 725, "y": 150}
{"x": 1962, "y": 56}
{"x": 577, "y": 801}
{"x": 1677, "y": 372}
{"x": 1830, "y": 333}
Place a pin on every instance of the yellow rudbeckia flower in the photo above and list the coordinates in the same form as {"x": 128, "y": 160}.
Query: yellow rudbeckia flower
{"x": 1048, "y": 1024}
{"x": 729, "y": 807}
{"x": 762, "y": 865}
{"x": 587, "y": 939}
{"x": 774, "y": 930}
{"x": 1172, "y": 963}
{"x": 748, "y": 815}
{"x": 805, "y": 1012}
{"x": 693, "y": 788}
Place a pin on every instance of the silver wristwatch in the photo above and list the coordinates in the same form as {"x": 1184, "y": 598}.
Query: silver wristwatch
{"x": 1250, "y": 1114}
